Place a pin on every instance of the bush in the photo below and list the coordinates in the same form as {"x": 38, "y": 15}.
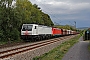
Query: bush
{"x": 1, "y": 35}
{"x": 14, "y": 35}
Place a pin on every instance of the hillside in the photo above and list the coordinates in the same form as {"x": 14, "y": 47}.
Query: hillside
{"x": 83, "y": 28}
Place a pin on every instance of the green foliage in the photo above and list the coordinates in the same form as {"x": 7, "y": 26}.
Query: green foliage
{"x": 47, "y": 20}
{"x": 1, "y": 35}
{"x": 13, "y": 16}
{"x": 31, "y": 13}
{"x": 14, "y": 34}
{"x": 9, "y": 21}
{"x": 89, "y": 47}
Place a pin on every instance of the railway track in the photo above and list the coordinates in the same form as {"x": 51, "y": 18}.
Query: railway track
{"x": 14, "y": 51}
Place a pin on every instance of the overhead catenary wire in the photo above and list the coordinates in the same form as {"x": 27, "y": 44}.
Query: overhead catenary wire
{"x": 50, "y": 10}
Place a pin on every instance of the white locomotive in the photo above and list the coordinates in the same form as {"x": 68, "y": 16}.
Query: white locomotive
{"x": 35, "y": 31}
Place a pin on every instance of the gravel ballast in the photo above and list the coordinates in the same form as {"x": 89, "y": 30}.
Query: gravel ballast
{"x": 36, "y": 52}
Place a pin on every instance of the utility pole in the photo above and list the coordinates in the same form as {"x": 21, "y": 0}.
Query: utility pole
{"x": 75, "y": 23}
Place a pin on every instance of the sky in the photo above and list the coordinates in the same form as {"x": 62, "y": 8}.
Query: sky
{"x": 66, "y": 12}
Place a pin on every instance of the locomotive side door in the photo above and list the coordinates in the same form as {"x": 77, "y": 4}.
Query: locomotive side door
{"x": 35, "y": 30}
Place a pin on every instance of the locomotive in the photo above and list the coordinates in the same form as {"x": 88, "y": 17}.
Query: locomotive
{"x": 35, "y": 31}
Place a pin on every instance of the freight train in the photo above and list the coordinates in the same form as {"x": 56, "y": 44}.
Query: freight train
{"x": 35, "y": 31}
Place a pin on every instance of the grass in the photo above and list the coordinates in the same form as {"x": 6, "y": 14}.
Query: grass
{"x": 58, "y": 52}
{"x": 89, "y": 46}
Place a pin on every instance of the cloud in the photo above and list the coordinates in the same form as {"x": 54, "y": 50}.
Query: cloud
{"x": 62, "y": 6}
{"x": 58, "y": 10}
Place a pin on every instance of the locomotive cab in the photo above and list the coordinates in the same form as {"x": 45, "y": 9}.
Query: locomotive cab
{"x": 28, "y": 30}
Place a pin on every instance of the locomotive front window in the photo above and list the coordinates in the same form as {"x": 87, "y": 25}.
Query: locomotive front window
{"x": 27, "y": 27}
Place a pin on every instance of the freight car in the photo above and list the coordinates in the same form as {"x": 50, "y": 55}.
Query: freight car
{"x": 35, "y": 31}
{"x": 68, "y": 32}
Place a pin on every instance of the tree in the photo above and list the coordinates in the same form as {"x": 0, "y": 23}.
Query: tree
{"x": 13, "y": 16}
{"x": 36, "y": 6}
{"x": 8, "y": 19}
{"x": 47, "y": 20}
